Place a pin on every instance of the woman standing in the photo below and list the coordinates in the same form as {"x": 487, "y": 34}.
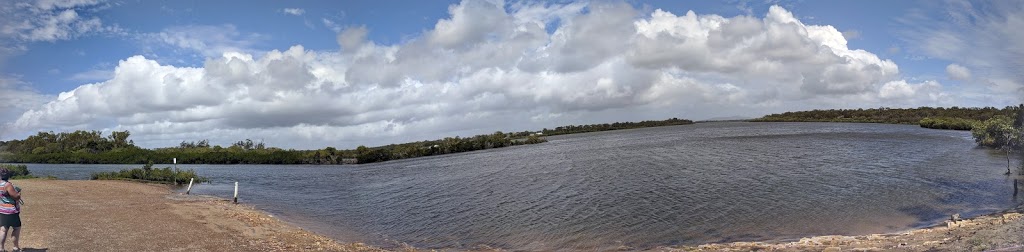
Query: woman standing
{"x": 9, "y": 210}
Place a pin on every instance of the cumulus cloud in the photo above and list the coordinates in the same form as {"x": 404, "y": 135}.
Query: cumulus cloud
{"x": 294, "y": 11}
{"x": 958, "y": 72}
{"x": 904, "y": 94}
{"x": 982, "y": 36}
{"x": 488, "y": 66}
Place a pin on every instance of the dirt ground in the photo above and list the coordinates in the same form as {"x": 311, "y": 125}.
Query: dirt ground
{"x": 76, "y": 215}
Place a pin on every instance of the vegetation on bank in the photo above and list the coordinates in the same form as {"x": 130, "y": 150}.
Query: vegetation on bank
{"x": 18, "y": 171}
{"x": 91, "y": 147}
{"x": 148, "y": 174}
{"x": 937, "y": 118}
{"x": 1005, "y": 133}
{"x": 950, "y": 123}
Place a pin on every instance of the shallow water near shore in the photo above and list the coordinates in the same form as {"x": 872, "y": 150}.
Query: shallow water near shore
{"x": 642, "y": 188}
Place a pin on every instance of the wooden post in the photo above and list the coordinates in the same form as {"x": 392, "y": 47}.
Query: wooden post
{"x": 236, "y": 192}
{"x": 189, "y": 185}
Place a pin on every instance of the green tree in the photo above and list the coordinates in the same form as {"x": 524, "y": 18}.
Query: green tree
{"x": 998, "y": 132}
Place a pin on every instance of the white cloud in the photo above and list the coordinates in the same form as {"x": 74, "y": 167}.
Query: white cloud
{"x": 204, "y": 40}
{"x": 471, "y": 22}
{"x": 958, "y": 72}
{"x": 901, "y": 89}
{"x": 16, "y": 97}
{"x": 63, "y": 4}
{"x": 294, "y": 11}
{"x": 352, "y": 38}
{"x": 331, "y": 25}
{"x": 486, "y": 67}
{"x": 796, "y": 59}
{"x": 48, "y": 21}
{"x": 22, "y": 23}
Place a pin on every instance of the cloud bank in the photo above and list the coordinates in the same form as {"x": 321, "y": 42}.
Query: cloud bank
{"x": 491, "y": 66}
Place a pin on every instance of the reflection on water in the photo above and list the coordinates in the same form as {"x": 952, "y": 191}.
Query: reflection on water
{"x": 642, "y": 188}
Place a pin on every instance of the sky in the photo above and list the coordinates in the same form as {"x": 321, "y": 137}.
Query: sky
{"x": 314, "y": 74}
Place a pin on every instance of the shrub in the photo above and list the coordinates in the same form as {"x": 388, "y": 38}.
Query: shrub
{"x": 149, "y": 174}
{"x": 19, "y": 171}
{"x": 997, "y": 132}
{"x": 948, "y": 123}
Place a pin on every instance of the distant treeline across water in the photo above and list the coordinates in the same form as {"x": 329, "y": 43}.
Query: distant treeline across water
{"x": 91, "y": 147}
{"x": 991, "y": 127}
{"x": 893, "y": 115}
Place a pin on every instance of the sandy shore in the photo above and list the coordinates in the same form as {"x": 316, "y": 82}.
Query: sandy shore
{"x": 75, "y": 215}
{"x": 994, "y": 232}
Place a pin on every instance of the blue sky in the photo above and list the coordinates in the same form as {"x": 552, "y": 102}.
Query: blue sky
{"x": 310, "y": 74}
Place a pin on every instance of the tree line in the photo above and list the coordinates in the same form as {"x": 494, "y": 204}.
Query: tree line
{"x": 950, "y": 118}
{"x": 573, "y": 129}
{"x": 89, "y": 147}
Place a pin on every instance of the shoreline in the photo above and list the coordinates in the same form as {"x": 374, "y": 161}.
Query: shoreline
{"x": 130, "y": 216}
{"x": 999, "y": 231}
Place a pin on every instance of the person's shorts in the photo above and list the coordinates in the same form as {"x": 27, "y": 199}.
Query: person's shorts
{"x": 10, "y": 220}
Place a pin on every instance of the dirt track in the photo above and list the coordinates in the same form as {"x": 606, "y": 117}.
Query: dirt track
{"x": 75, "y": 215}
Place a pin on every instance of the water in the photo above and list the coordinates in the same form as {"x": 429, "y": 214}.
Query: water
{"x": 710, "y": 182}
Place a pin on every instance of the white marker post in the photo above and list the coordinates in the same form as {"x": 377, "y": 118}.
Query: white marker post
{"x": 189, "y": 185}
{"x": 236, "y": 192}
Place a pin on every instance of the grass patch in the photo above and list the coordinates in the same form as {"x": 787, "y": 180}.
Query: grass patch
{"x": 148, "y": 174}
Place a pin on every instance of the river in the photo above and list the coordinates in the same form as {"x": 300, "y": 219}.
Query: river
{"x": 642, "y": 188}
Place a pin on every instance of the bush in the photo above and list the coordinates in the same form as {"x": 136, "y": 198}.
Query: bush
{"x": 997, "y": 132}
{"x": 148, "y": 174}
{"x": 948, "y": 123}
{"x": 532, "y": 139}
{"x": 19, "y": 171}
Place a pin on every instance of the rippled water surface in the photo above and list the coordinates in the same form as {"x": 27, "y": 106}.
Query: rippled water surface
{"x": 708, "y": 182}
